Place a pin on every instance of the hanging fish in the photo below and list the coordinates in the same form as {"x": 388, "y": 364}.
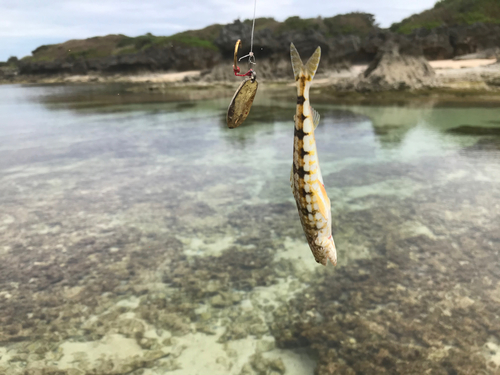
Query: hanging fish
{"x": 242, "y": 101}
{"x": 306, "y": 180}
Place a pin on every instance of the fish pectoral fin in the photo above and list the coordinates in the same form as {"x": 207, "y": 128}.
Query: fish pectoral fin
{"x": 316, "y": 117}
{"x": 324, "y": 202}
{"x": 322, "y": 208}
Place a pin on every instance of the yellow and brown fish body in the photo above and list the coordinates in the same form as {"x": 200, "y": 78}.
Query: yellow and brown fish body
{"x": 306, "y": 180}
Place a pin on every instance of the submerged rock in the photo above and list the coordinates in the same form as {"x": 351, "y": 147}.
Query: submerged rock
{"x": 474, "y": 130}
{"x": 259, "y": 365}
{"x": 265, "y": 346}
{"x": 224, "y": 299}
{"x": 396, "y": 67}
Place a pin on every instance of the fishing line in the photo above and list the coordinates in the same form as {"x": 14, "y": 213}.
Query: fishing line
{"x": 251, "y": 56}
{"x": 253, "y": 25}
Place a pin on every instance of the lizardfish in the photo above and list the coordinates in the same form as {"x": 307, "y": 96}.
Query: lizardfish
{"x": 306, "y": 180}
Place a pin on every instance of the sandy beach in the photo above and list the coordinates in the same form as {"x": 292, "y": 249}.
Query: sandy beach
{"x": 446, "y": 71}
{"x": 460, "y": 64}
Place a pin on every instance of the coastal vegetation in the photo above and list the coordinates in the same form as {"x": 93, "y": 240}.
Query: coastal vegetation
{"x": 452, "y": 30}
{"x": 112, "y": 45}
{"x": 10, "y": 63}
{"x": 451, "y": 13}
{"x": 355, "y": 23}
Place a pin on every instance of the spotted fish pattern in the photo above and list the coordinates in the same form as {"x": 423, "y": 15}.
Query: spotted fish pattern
{"x": 306, "y": 180}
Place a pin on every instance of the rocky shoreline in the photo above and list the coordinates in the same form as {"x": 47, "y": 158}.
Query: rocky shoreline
{"x": 448, "y": 73}
{"x": 397, "y": 66}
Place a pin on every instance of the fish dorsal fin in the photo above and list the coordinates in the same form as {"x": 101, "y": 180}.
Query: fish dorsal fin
{"x": 316, "y": 117}
{"x": 312, "y": 64}
{"x": 297, "y": 64}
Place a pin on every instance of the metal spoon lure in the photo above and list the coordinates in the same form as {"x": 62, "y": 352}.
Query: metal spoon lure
{"x": 242, "y": 101}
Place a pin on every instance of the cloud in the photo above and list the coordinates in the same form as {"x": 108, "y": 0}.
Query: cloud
{"x": 24, "y": 23}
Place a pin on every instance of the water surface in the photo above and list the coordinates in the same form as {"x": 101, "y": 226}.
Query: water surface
{"x": 139, "y": 235}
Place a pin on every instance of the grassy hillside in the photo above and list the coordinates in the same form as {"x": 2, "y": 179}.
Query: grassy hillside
{"x": 99, "y": 47}
{"x": 451, "y": 13}
{"x": 110, "y": 45}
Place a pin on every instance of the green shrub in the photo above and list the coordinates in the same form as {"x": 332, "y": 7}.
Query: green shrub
{"x": 12, "y": 61}
{"x": 125, "y": 41}
{"x": 41, "y": 49}
{"x": 148, "y": 40}
{"x": 125, "y": 51}
{"x": 187, "y": 40}
{"x": 451, "y": 13}
{"x": 343, "y": 24}
{"x": 352, "y": 23}
{"x": 299, "y": 24}
{"x": 262, "y": 23}
{"x": 37, "y": 58}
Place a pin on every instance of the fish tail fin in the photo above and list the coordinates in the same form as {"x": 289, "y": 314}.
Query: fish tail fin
{"x": 312, "y": 64}
{"x": 309, "y": 69}
{"x": 297, "y": 64}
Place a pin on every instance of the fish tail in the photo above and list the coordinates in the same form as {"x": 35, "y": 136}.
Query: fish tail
{"x": 312, "y": 64}
{"x": 309, "y": 69}
{"x": 297, "y": 64}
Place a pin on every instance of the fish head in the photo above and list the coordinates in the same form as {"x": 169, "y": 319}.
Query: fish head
{"x": 328, "y": 250}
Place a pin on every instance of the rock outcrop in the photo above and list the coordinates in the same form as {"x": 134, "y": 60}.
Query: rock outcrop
{"x": 397, "y": 66}
{"x": 449, "y": 42}
{"x": 8, "y": 73}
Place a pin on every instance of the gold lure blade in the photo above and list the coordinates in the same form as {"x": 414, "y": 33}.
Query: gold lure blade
{"x": 242, "y": 101}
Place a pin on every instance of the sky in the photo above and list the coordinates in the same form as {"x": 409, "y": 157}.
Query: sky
{"x": 27, "y": 24}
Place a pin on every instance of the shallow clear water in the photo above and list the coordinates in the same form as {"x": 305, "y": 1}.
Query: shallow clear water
{"x": 139, "y": 235}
